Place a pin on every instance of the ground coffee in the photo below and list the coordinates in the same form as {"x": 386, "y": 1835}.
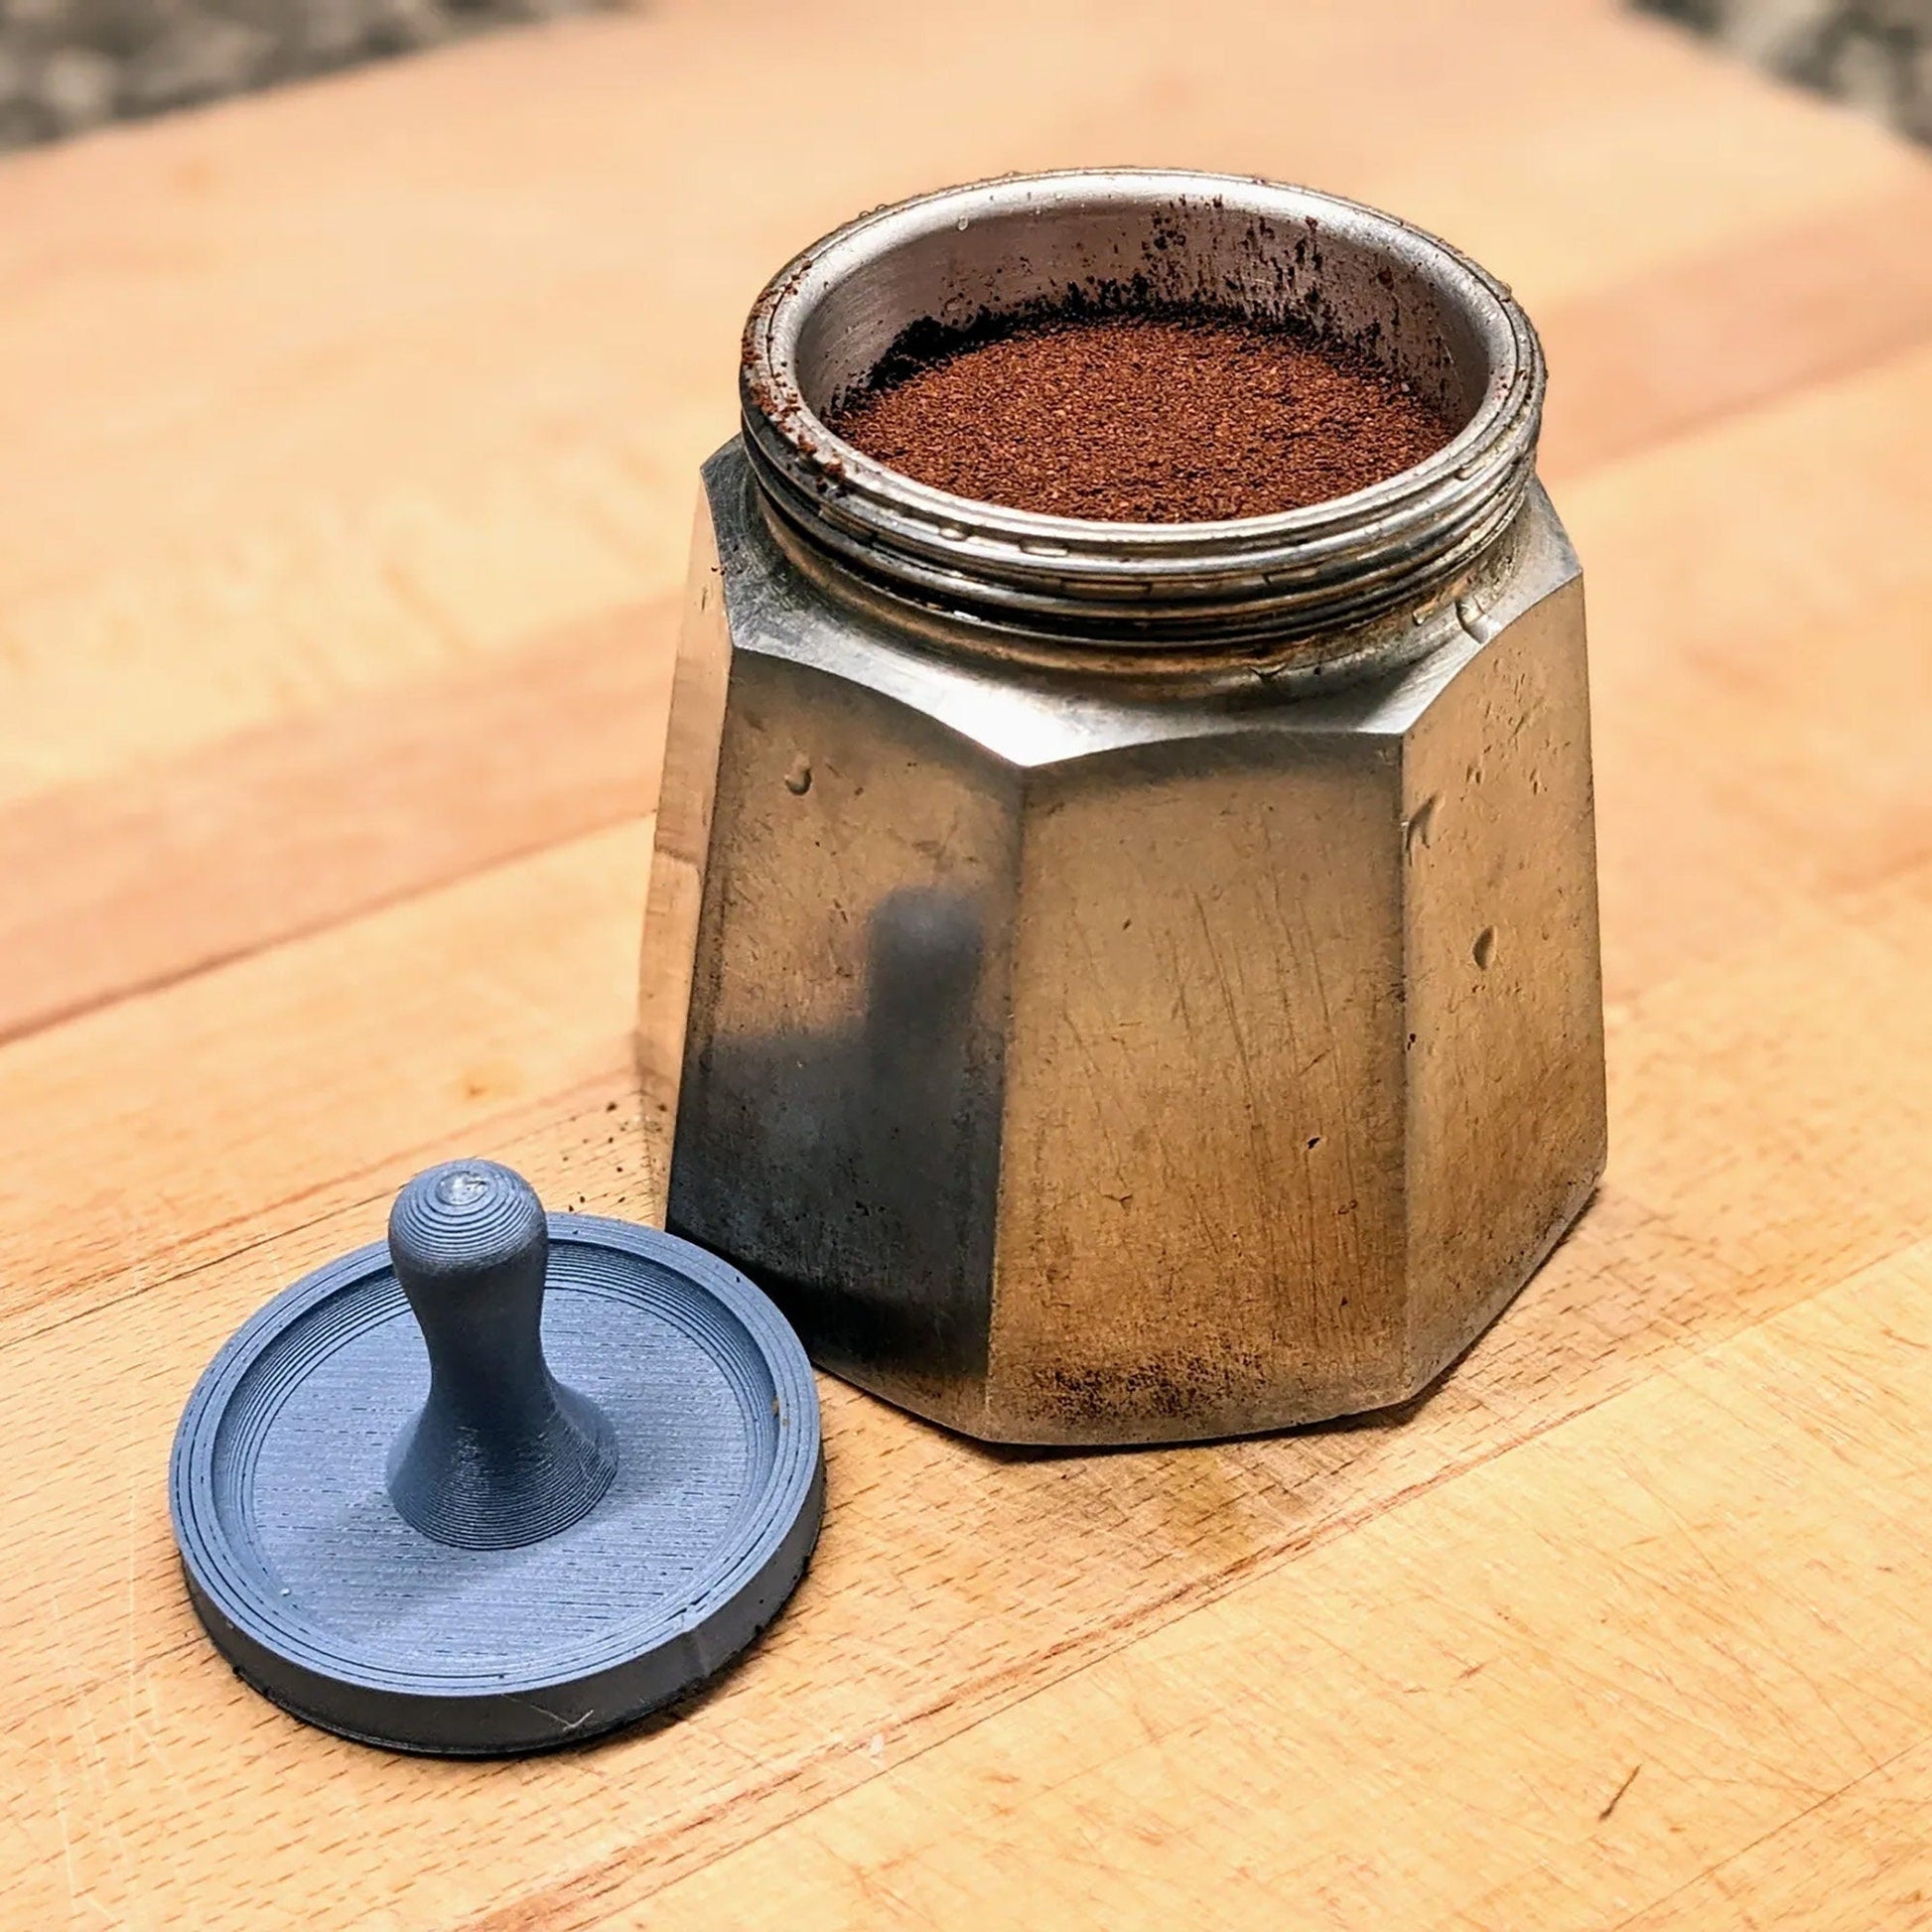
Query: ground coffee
{"x": 1145, "y": 419}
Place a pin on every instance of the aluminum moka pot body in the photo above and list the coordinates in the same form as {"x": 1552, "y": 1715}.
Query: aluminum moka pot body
{"x": 1143, "y": 980}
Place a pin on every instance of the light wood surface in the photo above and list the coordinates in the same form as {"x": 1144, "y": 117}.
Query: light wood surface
{"x": 347, "y": 440}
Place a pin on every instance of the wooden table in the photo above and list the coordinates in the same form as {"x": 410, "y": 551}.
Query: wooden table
{"x": 347, "y": 451}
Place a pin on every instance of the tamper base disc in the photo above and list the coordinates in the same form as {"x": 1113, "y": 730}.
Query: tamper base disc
{"x": 324, "y": 1598}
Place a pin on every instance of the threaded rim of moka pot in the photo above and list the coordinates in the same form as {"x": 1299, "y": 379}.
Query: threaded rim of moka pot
{"x": 1327, "y": 589}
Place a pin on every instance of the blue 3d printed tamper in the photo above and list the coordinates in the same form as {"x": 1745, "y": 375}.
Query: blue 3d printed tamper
{"x": 509, "y": 1481}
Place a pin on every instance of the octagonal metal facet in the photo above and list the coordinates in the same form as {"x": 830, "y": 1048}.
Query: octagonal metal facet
{"x": 1100, "y": 1061}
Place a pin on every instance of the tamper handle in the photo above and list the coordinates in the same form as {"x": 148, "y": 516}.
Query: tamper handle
{"x": 501, "y": 1453}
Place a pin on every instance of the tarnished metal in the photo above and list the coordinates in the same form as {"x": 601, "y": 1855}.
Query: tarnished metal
{"x": 1145, "y": 980}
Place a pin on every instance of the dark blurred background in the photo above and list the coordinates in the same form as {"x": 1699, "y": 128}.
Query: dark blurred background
{"x": 66, "y": 66}
{"x": 1876, "y": 54}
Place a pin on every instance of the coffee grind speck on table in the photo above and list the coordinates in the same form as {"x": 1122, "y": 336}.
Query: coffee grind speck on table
{"x": 1145, "y": 419}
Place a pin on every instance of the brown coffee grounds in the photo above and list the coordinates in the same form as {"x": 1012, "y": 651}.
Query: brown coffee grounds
{"x": 1145, "y": 419}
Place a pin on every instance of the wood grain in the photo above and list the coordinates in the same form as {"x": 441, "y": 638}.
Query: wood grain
{"x": 1714, "y": 335}
{"x": 175, "y": 865}
{"x": 896, "y": 1637}
{"x": 132, "y": 1134}
{"x": 1655, "y": 1678}
{"x": 357, "y": 381}
{"x": 330, "y": 676}
{"x": 126, "y": 884}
